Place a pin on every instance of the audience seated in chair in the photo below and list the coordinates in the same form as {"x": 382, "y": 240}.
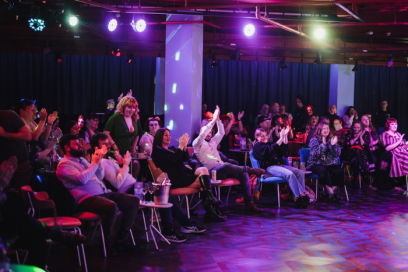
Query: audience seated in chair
{"x": 339, "y": 131}
{"x": 324, "y": 151}
{"x": 84, "y": 181}
{"x": 205, "y": 148}
{"x": 270, "y": 157}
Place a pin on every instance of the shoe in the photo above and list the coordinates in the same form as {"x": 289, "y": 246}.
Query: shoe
{"x": 206, "y": 194}
{"x": 256, "y": 171}
{"x": 175, "y": 238}
{"x": 335, "y": 198}
{"x": 67, "y": 238}
{"x": 240, "y": 200}
{"x": 213, "y": 217}
{"x": 192, "y": 229}
{"x": 250, "y": 207}
{"x": 256, "y": 196}
{"x": 305, "y": 199}
{"x": 299, "y": 203}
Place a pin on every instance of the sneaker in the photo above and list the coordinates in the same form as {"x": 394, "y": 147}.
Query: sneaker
{"x": 192, "y": 229}
{"x": 175, "y": 238}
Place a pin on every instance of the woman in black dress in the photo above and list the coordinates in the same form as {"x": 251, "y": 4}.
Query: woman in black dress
{"x": 171, "y": 161}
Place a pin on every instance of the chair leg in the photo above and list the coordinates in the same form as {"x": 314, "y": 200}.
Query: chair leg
{"x": 219, "y": 193}
{"x": 103, "y": 239}
{"x": 17, "y": 257}
{"x": 277, "y": 189}
{"x": 144, "y": 222}
{"x": 188, "y": 209}
{"x": 25, "y": 257}
{"x": 157, "y": 219}
{"x": 317, "y": 187}
{"x": 345, "y": 190}
{"x": 131, "y": 235}
{"x": 229, "y": 190}
{"x": 359, "y": 180}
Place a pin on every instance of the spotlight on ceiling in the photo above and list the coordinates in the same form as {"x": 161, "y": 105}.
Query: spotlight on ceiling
{"x": 213, "y": 61}
{"x": 282, "y": 64}
{"x": 131, "y": 58}
{"x": 73, "y": 20}
{"x": 58, "y": 56}
{"x": 355, "y": 69}
{"x": 390, "y": 60}
{"x": 36, "y": 24}
{"x": 319, "y": 33}
{"x": 139, "y": 25}
{"x": 249, "y": 30}
{"x": 112, "y": 25}
{"x": 318, "y": 59}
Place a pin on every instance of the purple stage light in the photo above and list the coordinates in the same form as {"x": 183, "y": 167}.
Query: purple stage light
{"x": 112, "y": 25}
{"x": 249, "y": 30}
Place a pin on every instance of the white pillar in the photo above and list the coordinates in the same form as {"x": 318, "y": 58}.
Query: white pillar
{"x": 159, "y": 92}
{"x": 341, "y": 87}
{"x": 183, "y": 76}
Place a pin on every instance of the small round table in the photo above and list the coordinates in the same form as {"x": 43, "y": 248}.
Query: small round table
{"x": 241, "y": 151}
{"x": 153, "y": 207}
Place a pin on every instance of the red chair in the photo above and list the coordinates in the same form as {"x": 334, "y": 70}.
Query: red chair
{"x": 40, "y": 200}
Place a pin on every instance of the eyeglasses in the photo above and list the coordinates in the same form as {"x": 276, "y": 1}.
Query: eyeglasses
{"x": 32, "y": 107}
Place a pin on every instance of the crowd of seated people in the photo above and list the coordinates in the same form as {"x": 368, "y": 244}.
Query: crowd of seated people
{"x": 93, "y": 162}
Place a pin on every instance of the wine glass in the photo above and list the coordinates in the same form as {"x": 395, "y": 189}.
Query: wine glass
{"x": 151, "y": 191}
{"x": 144, "y": 192}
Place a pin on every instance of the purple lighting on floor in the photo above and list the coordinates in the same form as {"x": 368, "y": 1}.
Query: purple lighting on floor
{"x": 249, "y": 30}
{"x": 112, "y": 25}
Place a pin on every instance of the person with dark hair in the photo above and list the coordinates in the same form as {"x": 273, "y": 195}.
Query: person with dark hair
{"x": 382, "y": 115}
{"x": 339, "y": 131}
{"x": 118, "y": 177}
{"x": 13, "y": 137}
{"x": 90, "y": 127}
{"x": 350, "y": 116}
{"x": 71, "y": 127}
{"x": 205, "y": 148}
{"x": 372, "y": 131}
{"x": 274, "y": 110}
{"x": 270, "y": 157}
{"x": 300, "y": 116}
{"x": 310, "y": 128}
{"x": 310, "y": 110}
{"x": 393, "y": 141}
{"x": 171, "y": 161}
{"x": 146, "y": 142}
{"x": 84, "y": 181}
{"x": 265, "y": 110}
{"x": 324, "y": 151}
{"x": 357, "y": 149}
{"x": 233, "y": 128}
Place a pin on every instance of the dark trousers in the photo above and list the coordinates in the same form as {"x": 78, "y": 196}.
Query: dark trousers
{"x": 167, "y": 216}
{"x": 22, "y": 175}
{"x": 331, "y": 175}
{"x": 108, "y": 206}
{"x": 228, "y": 170}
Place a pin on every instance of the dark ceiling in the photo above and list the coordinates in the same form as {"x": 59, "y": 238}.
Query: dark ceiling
{"x": 285, "y": 31}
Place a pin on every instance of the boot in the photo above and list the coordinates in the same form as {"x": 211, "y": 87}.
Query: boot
{"x": 250, "y": 207}
{"x": 207, "y": 196}
{"x": 211, "y": 215}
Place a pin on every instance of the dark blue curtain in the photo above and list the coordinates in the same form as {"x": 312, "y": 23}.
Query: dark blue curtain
{"x": 247, "y": 85}
{"x": 374, "y": 84}
{"x": 76, "y": 84}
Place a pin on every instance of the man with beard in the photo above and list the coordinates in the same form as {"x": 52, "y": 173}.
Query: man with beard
{"x": 84, "y": 181}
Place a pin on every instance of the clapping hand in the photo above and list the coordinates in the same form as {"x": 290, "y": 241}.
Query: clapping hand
{"x": 127, "y": 158}
{"x": 52, "y": 117}
{"x": 43, "y": 114}
{"x": 118, "y": 157}
{"x": 216, "y": 115}
{"x": 97, "y": 156}
{"x": 183, "y": 141}
{"x": 231, "y": 116}
{"x": 334, "y": 140}
{"x": 120, "y": 97}
{"x": 52, "y": 143}
{"x": 240, "y": 115}
{"x": 7, "y": 169}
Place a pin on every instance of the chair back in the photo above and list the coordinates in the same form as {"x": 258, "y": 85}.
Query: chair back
{"x": 304, "y": 154}
{"x": 156, "y": 172}
{"x": 254, "y": 162}
{"x": 190, "y": 150}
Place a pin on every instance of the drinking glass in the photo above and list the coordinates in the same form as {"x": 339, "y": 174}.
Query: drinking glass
{"x": 151, "y": 191}
{"x": 144, "y": 192}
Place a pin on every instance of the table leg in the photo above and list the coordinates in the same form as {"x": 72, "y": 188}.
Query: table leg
{"x": 245, "y": 162}
{"x": 144, "y": 221}
{"x": 157, "y": 219}
{"x": 152, "y": 227}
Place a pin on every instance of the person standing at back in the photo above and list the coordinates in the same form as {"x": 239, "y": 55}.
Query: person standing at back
{"x": 300, "y": 116}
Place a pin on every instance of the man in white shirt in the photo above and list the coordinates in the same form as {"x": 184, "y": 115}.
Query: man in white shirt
{"x": 84, "y": 181}
{"x": 205, "y": 148}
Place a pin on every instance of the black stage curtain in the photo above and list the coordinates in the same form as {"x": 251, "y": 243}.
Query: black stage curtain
{"x": 247, "y": 85}
{"x": 374, "y": 84}
{"x": 76, "y": 84}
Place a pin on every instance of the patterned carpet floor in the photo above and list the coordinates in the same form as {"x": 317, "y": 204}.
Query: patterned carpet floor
{"x": 369, "y": 233}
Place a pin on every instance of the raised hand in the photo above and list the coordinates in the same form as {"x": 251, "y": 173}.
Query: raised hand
{"x": 183, "y": 140}
{"x": 240, "y": 115}
{"x": 216, "y": 113}
{"x": 97, "y": 156}
{"x": 334, "y": 140}
{"x": 43, "y": 114}
{"x": 231, "y": 116}
{"x": 120, "y": 97}
{"x": 127, "y": 158}
{"x": 52, "y": 117}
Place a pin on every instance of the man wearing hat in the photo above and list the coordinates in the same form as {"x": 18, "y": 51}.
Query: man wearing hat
{"x": 265, "y": 122}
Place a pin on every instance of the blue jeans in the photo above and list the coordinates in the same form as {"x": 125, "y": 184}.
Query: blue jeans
{"x": 228, "y": 170}
{"x": 294, "y": 176}
{"x": 175, "y": 212}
